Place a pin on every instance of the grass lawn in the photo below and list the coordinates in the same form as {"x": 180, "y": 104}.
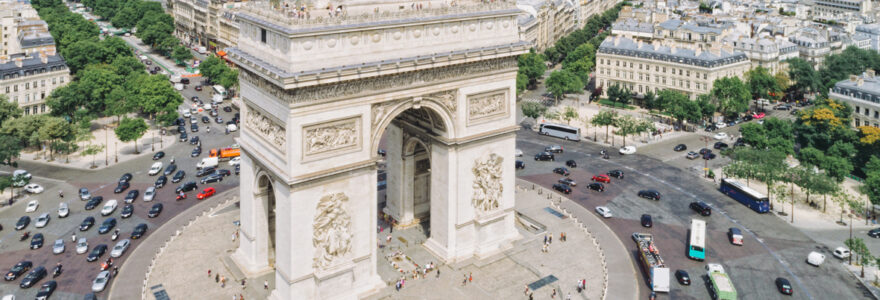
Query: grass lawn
{"x": 607, "y": 102}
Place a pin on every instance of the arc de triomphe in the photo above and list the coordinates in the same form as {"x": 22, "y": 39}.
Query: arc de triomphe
{"x": 317, "y": 97}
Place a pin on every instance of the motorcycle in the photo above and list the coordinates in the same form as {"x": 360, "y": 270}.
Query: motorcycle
{"x": 181, "y": 196}
{"x": 115, "y": 235}
{"x": 603, "y": 152}
{"x": 605, "y": 156}
{"x": 56, "y": 271}
{"x": 106, "y": 264}
{"x": 25, "y": 236}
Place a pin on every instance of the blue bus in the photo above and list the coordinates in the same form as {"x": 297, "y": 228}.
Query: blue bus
{"x": 745, "y": 195}
{"x": 565, "y": 132}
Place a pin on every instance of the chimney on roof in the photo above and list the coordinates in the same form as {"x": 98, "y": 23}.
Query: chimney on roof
{"x": 698, "y": 50}
{"x": 18, "y": 62}
{"x": 869, "y": 73}
{"x": 616, "y": 40}
{"x": 44, "y": 58}
{"x": 853, "y": 78}
{"x": 640, "y": 44}
{"x": 860, "y": 81}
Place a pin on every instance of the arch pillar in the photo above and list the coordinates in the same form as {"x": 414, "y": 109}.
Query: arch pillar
{"x": 252, "y": 255}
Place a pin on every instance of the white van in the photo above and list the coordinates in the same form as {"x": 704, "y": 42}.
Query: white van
{"x": 815, "y": 258}
{"x": 178, "y": 86}
{"x": 208, "y": 162}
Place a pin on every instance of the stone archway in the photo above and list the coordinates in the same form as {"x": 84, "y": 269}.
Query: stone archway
{"x": 266, "y": 195}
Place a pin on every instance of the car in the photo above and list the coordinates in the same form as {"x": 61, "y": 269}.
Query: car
{"x": 107, "y": 225}
{"x": 18, "y": 269}
{"x": 206, "y": 120}
{"x": 761, "y": 122}
{"x": 84, "y": 194}
{"x": 874, "y": 233}
{"x": 561, "y": 171}
{"x": 571, "y": 163}
{"x": 601, "y": 178}
{"x": 198, "y": 88}
{"x": 218, "y": 120}
{"x": 33, "y": 188}
{"x": 126, "y": 177}
{"x": 701, "y": 207}
{"x": 238, "y": 168}
{"x": 596, "y": 186}
{"x": 205, "y": 171}
{"x": 227, "y": 109}
{"x": 758, "y": 116}
{"x": 132, "y": 196}
{"x": 703, "y": 151}
{"x": 32, "y": 206}
{"x": 37, "y": 241}
{"x": 127, "y": 211}
{"x": 58, "y": 247}
{"x": 603, "y": 211}
{"x": 692, "y": 155}
{"x": 784, "y": 286}
{"x": 194, "y": 140}
{"x": 545, "y": 156}
{"x": 683, "y": 277}
{"x": 139, "y": 230}
{"x": 121, "y": 187}
{"x": 170, "y": 169}
{"x": 183, "y": 136}
{"x": 155, "y": 210}
{"x": 211, "y": 178}
{"x": 680, "y": 147}
{"x": 196, "y": 152}
{"x": 232, "y": 127}
{"x": 565, "y": 189}
{"x": 159, "y": 155}
{"x": 160, "y": 182}
{"x": 720, "y": 136}
{"x": 33, "y": 277}
{"x": 96, "y": 253}
{"x": 841, "y": 253}
{"x": 627, "y": 150}
{"x": 23, "y": 174}
{"x": 519, "y": 165}
{"x": 193, "y": 120}
{"x": 120, "y": 248}
{"x": 155, "y": 168}
{"x": 109, "y": 207}
{"x": 223, "y": 172}
{"x": 650, "y": 194}
{"x": 100, "y": 282}
{"x": 82, "y": 246}
{"x": 178, "y": 176}
{"x": 647, "y": 221}
{"x": 615, "y": 173}
{"x": 711, "y": 128}
{"x": 63, "y": 210}
{"x": 782, "y": 107}
{"x": 42, "y": 220}
{"x": 194, "y": 127}
{"x": 795, "y": 112}
{"x": 207, "y": 192}
{"x": 22, "y": 222}
{"x": 709, "y": 156}
{"x": 720, "y": 125}
{"x": 94, "y": 202}
{"x": 235, "y": 161}
{"x": 739, "y": 142}
{"x": 720, "y": 145}
{"x": 87, "y": 223}
{"x": 518, "y": 153}
{"x": 815, "y": 258}
{"x": 747, "y": 118}
{"x": 553, "y": 149}
{"x": 567, "y": 181}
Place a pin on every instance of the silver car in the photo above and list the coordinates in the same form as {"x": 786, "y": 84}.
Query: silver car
{"x": 100, "y": 281}
{"x": 149, "y": 194}
{"x": 82, "y": 246}
{"x": 42, "y": 220}
{"x": 120, "y": 248}
{"x": 63, "y": 210}
{"x": 84, "y": 194}
{"x": 58, "y": 248}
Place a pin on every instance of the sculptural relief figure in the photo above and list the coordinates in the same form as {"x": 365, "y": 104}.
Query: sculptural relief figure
{"x": 487, "y": 183}
{"x": 332, "y": 230}
{"x": 264, "y": 126}
{"x": 484, "y": 106}
{"x": 331, "y": 137}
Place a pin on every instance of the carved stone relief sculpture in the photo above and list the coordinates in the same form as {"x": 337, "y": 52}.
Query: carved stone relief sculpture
{"x": 487, "y": 183}
{"x": 487, "y": 106}
{"x": 331, "y": 137}
{"x": 332, "y": 230}
{"x": 267, "y": 128}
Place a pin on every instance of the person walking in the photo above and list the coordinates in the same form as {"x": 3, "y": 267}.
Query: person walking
{"x": 216, "y": 277}
{"x": 73, "y": 238}
{"x": 526, "y": 292}
{"x": 553, "y": 294}
{"x": 438, "y": 273}
{"x": 471, "y": 277}
{"x": 550, "y": 239}
{"x": 209, "y": 273}
{"x": 265, "y": 284}
{"x": 545, "y": 238}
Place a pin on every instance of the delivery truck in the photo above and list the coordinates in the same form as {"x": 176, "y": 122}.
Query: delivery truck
{"x": 652, "y": 263}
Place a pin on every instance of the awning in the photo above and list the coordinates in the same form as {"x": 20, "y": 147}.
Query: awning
{"x": 221, "y": 53}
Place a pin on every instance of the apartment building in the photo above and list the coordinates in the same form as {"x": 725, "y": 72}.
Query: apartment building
{"x": 764, "y": 50}
{"x": 546, "y": 21}
{"x": 209, "y": 23}
{"x": 839, "y": 8}
{"x": 862, "y": 92}
{"x": 812, "y": 45}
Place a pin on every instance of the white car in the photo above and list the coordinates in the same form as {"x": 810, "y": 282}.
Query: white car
{"x": 187, "y": 114}
{"x": 815, "y": 258}
{"x": 82, "y": 246}
{"x": 720, "y": 136}
{"x": 33, "y": 188}
{"x": 720, "y": 125}
{"x": 519, "y": 153}
{"x": 628, "y": 150}
{"x": 109, "y": 207}
{"x": 156, "y": 168}
{"x": 100, "y": 282}
{"x": 120, "y": 248}
{"x": 58, "y": 248}
{"x": 149, "y": 194}
{"x": 32, "y": 206}
{"x": 842, "y": 253}
{"x": 231, "y": 127}
{"x": 42, "y": 220}
{"x": 9, "y": 297}
{"x": 235, "y": 161}
{"x": 603, "y": 211}
{"x": 63, "y": 210}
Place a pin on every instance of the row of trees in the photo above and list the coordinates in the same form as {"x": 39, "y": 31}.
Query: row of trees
{"x": 154, "y": 26}
{"x": 836, "y": 67}
{"x": 626, "y": 125}
{"x": 218, "y": 72}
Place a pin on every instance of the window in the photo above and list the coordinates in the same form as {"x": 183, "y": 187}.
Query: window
{"x": 867, "y": 112}
{"x": 27, "y": 85}
{"x": 7, "y": 90}
{"x": 657, "y": 69}
{"x": 601, "y": 61}
{"x": 648, "y": 77}
{"x": 679, "y": 72}
{"x": 43, "y": 83}
{"x": 876, "y": 114}
{"x": 15, "y": 99}
{"x": 62, "y": 79}
{"x": 697, "y": 85}
{"x": 704, "y": 77}
{"x": 54, "y": 81}
{"x": 640, "y": 66}
{"x": 857, "y": 110}
{"x": 27, "y": 110}
{"x": 263, "y": 35}
{"x": 664, "y": 69}
{"x": 673, "y": 70}
{"x": 15, "y": 88}
{"x": 858, "y": 123}
{"x": 617, "y": 63}
{"x": 27, "y": 98}
{"x": 42, "y": 95}
{"x": 618, "y": 73}
{"x": 43, "y": 108}
{"x": 688, "y": 73}
{"x": 630, "y": 64}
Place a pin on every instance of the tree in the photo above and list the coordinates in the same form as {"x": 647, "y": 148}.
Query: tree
{"x": 707, "y": 107}
{"x": 127, "y": 65}
{"x": 181, "y": 54}
{"x": 532, "y": 65}
{"x": 93, "y": 150}
{"x": 114, "y": 48}
{"x": 604, "y": 118}
{"x": 533, "y": 110}
{"x": 754, "y": 134}
{"x": 762, "y": 84}
{"x": 618, "y": 94}
{"x": 130, "y": 130}
{"x": 626, "y": 126}
{"x": 732, "y": 94}
{"x": 10, "y": 149}
{"x": 804, "y": 76}
{"x": 844, "y": 200}
{"x": 563, "y": 82}
{"x": 569, "y": 114}
{"x": 783, "y": 82}
{"x": 522, "y": 82}
{"x": 649, "y": 101}
{"x": 8, "y": 109}
{"x": 6, "y": 183}
{"x": 53, "y": 130}
{"x": 153, "y": 95}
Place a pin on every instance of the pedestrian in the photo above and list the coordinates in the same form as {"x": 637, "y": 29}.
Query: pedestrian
{"x": 209, "y": 273}
{"x": 471, "y": 277}
{"x": 553, "y": 294}
{"x": 438, "y": 273}
{"x": 550, "y": 239}
{"x": 265, "y": 284}
{"x": 243, "y": 282}
{"x": 545, "y": 238}
{"x": 388, "y": 239}
{"x": 568, "y": 297}
{"x": 526, "y": 292}
{"x": 240, "y": 297}
{"x": 233, "y": 237}
{"x": 397, "y": 285}
{"x": 73, "y": 238}
{"x": 465, "y": 280}
{"x": 531, "y": 296}
{"x": 223, "y": 281}
{"x": 216, "y": 277}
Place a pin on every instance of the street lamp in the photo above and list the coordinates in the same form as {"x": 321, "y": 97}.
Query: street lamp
{"x": 850, "y": 234}
{"x": 106, "y": 146}
{"x": 705, "y": 161}
{"x": 116, "y": 147}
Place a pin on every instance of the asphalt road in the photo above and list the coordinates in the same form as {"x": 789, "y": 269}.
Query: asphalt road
{"x": 772, "y": 247}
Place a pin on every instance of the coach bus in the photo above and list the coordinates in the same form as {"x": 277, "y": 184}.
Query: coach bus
{"x": 745, "y": 195}
{"x": 561, "y": 131}
{"x": 697, "y": 242}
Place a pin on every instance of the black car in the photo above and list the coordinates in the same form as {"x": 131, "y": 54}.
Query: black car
{"x": 747, "y": 118}
{"x": 170, "y": 169}
{"x": 205, "y": 171}
{"x": 565, "y": 189}
{"x": 227, "y": 109}
{"x": 22, "y": 223}
{"x": 782, "y": 107}
{"x": 650, "y": 194}
{"x": 596, "y": 186}
{"x": 196, "y": 152}
{"x": 185, "y": 81}
{"x": 704, "y": 151}
{"x": 783, "y": 285}
{"x": 178, "y": 176}
{"x": 186, "y": 187}
{"x": 179, "y": 122}
{"x": 545, "y": 156}
{"x": 90, "y": 296}
{"x": 127, "y": 211}
{"x": 702, "y": 208}
{"x": 711, "y": 128}
{"x": 121, "y": 187}
{"x": 87, "y": 223}
{"x": 647, "y": 222}
{"x": 874, "y": 233}
{"x": 553, "y": 149}
{"x": 33, "y": 277}
{"x": 182, "y": 130}
{"x": 94, "y": 202}
{"x": 571, "y": 163}
{"x": 126, "y": 177}
{"x": 238, "y": 168}
{"x": 615, "y": 173}
{"x": 155, "y": 210}
{"x": 212, "y": 178}
{"x": 37, "y": 241}
{"x": 183, "y": 136}
{"x": 561, "y": 171}
{"x": 683, "y": 277}
{"x": 709, "y": 156}
{"x": 18, "y": 269}
{"x": 739, "y": 142}
{"x": 223, "y": 172}
{"x": 206, "y": 120}
{"x": 97, "y": 252}
{"x": 46, "y": 290}
{"x": 108, "y": 225}
{"x": 131, "y": 196}
{"x": 139, "y": 231}
{"x": 161, "y": 181}
{"x": 194, "y": 140}
{"x": 194, "y": 127}
{"x": 519, "y": 165}
{"x": 159, "y": 155}
{"x": 720, "y": 145}
{"x": 680, "y": 147}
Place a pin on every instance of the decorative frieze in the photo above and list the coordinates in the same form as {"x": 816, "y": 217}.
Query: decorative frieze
{"x": 332, "y": 137}
{"x": 487, "y": 186}
{"x": 332, "y": 230}
{"x": 487, "y": 106}
{"x": 267, "y": 128}
{"x": 447, "y": 99}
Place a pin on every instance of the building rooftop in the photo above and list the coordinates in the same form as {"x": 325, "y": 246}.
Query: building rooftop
{"x": 702, "y": 58}
{"x": 36, "y": 39}
{"x": 30, "y": 64}
{"x": 633, "y": 25}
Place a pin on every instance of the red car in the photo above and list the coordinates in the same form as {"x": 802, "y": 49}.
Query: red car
{"x": 208, "y": 192}
{"x": 759, "y": 115}
{"x": 602, "y": 178}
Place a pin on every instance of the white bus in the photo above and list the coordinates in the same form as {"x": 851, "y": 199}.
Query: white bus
{"x": 561, "y": 131}
{"x": 697, "y": 242}
{"x": 219, "y": 90}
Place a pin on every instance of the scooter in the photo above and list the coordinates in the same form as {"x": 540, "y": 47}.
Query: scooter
{"x": 605, "y": 156}
{"x": 56, "y": 271}
{"x": 181, "y": 197}
{"x": 25, "y": 236}
{"x": 114, "y": 236}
